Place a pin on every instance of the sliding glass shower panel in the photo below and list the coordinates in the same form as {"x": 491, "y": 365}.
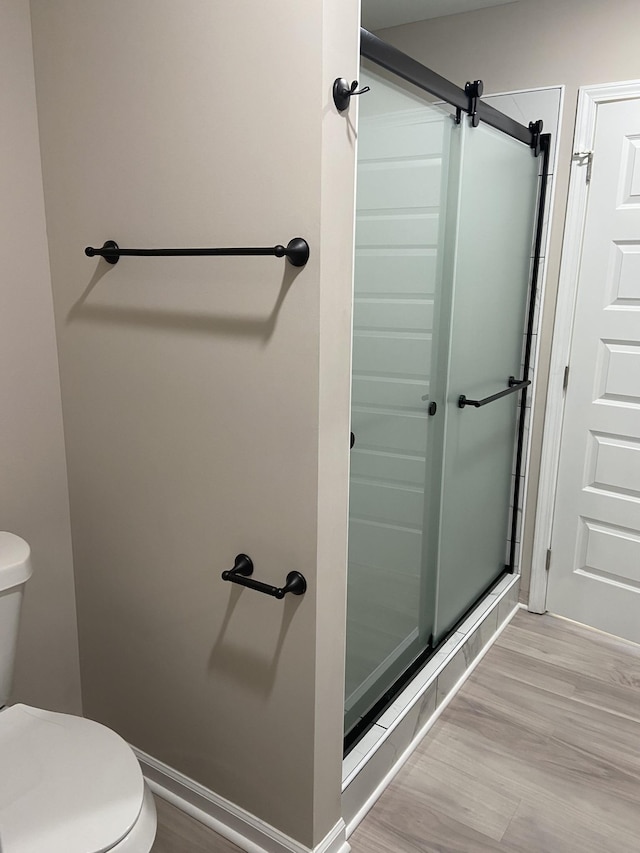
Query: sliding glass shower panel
{"x": 489, "y": 258}
{"x": 403, "y": 144}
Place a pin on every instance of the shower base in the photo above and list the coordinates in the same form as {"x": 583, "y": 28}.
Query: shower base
{"x": 374, "y": 761}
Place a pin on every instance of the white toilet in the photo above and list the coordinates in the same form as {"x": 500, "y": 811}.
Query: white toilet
{"x": 67, "y": 785}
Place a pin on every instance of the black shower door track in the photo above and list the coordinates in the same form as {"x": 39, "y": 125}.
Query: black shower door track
{"x": 394, "y": 60}
{"x": 389, "y": 57}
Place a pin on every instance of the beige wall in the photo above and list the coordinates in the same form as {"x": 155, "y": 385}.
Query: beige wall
{"x": 34, "y": 500}
{"x": 528, "y": 44}
{"x": 206, "y": 399}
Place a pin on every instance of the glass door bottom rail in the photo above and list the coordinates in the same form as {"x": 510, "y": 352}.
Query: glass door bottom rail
{"x": 376, "y": 758}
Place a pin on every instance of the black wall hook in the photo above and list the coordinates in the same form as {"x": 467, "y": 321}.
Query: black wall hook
{"x": 342, "y": 92}
{"x": 243, "y": 568}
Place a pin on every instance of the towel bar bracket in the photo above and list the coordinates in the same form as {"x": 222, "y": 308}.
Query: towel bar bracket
{"x": 109, "y": 258}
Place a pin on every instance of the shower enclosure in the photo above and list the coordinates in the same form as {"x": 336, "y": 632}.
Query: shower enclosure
{"x": 446, "y": 207}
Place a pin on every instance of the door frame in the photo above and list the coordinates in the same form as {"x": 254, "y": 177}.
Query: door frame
{"x": 589, "y": 98}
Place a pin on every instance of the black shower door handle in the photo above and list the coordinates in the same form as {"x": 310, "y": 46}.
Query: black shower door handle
{"x": 514, "y": 386}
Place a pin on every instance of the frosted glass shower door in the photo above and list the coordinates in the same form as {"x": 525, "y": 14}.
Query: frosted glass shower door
{"x": 402, "y": 164}
{"x": 489, "y": 258}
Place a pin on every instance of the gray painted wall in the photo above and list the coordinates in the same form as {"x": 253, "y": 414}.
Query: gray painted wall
{"x": 206, "y": 400}
{"x": 34, "y": 501}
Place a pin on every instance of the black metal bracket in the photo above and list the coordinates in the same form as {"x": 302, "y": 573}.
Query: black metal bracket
{"x": 473, "y": 91}
{"x": 296, "y": 252}
{"x": 243, "y": 569}
{"x": 536, "y": 132}
{"x": 343, "y": 92}
{"x": 514, "y": 385}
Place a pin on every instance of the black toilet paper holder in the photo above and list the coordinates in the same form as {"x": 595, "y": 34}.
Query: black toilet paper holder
{"x": 243, "y": 568}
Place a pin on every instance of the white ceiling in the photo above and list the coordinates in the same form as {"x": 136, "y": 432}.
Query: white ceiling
{"x": 378, "y": 14}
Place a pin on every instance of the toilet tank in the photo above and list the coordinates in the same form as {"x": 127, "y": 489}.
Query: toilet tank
{"x": 15, "y": 571}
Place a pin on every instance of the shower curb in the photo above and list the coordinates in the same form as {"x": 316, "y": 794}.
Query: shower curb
{"x": 377, "y": 758}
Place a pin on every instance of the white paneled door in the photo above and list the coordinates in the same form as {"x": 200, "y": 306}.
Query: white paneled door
{"x": 595, "y": 547}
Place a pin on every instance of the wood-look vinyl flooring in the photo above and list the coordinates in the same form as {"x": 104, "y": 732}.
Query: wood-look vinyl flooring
{"x": 539, "y": 752}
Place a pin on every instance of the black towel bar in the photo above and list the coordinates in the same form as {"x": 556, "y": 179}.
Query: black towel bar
{"x": 514, "y": 385}
{"x": 243, "y": 567}
{"x": 296, "y": 252}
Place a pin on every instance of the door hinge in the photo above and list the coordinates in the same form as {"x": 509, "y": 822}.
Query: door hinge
{"x": 565, "y": 378}
{"x": 547, "y": 564}
{"x": 588, "y": 156}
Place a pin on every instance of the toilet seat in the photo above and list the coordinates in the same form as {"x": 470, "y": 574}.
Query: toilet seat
{"x": 67, "y": 785}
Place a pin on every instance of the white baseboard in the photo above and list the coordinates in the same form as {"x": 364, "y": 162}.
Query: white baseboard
{"x": 238, "y": 826}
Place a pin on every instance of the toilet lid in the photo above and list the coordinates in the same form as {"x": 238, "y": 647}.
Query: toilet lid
{"x": 67, "y": 785}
